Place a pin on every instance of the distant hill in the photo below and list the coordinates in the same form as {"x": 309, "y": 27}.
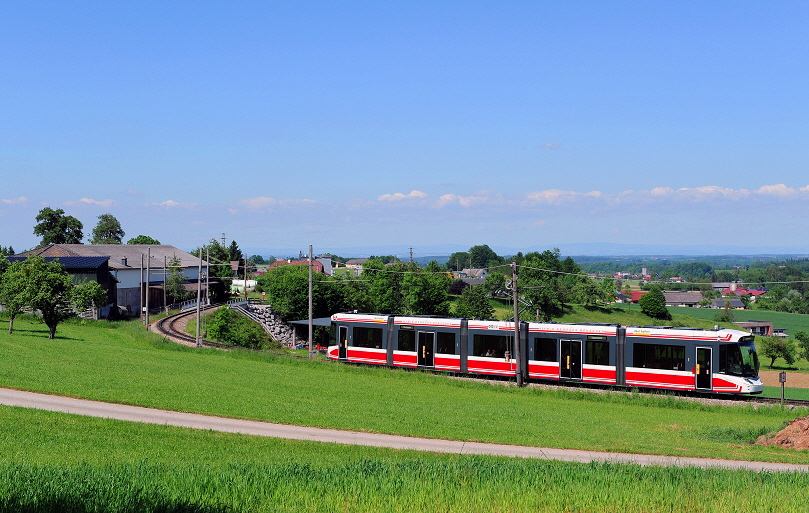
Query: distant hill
{"x": 441, "y": 252}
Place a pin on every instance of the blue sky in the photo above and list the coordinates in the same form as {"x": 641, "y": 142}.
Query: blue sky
{"x": 421, "y": 124}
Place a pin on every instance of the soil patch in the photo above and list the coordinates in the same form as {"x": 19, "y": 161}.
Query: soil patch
{"x": 794, "y": 379}
{"x": 794, "y": 436}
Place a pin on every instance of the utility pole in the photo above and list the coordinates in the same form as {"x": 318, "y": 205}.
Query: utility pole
{"x": 165, "y": 275}
{"x": 140, "y": 299}
{"x": 245, "y": 278}
{"x": 148, "y": 281}
{"x": 207, "y": 275}
{"x": 199, "y": 296}
{"x": 311, "y": 322}
{"x": 517, "y": 355}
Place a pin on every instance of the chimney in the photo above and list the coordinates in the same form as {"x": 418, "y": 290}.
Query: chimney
{"x": 123, "y": 261}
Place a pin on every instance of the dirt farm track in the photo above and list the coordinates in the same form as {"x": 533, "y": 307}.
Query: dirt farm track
{"x": 794, "y": 379}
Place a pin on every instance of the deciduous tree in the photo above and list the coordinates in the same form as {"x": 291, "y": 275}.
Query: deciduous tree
{"x": 777, "y": 347}
{"x": 725, "y": 314}
{"x": 175, "y": 281}
{"x": 803, "y": 343}
{"x": 386, "y": 285}
{"x": 15, "y": 292}
{"x": 143, "y": 239}
{"x": 426, "y": 290}
{"x": 653, "y": 304}
{"x": 107, "y": 231}
{"x": 474, "y": 304}
{"x": 483, "y": 256}
{"x": 89, "y": 294}
{"x": 57, "y": 228}
{"x": 547, "y": 282}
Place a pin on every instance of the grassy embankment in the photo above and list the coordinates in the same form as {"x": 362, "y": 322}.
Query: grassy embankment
{"x": 67, "y": 455}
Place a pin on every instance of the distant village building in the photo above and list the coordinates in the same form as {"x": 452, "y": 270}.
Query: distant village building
{"x": 689, "y": 299}
{"x": 736, "y": 304}
{"x": 473, "y": 273}
{"x": 356, "y": 263}
{"x": 762, "y": 328}
{"x": 317, "y": 266}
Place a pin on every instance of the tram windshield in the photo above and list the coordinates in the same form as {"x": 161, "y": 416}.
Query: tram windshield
{"x": 742, "y": 359}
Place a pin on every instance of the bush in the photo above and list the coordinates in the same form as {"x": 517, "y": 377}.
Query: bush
{"x": 653, "y": 304}
{"x": 232, "y": 328}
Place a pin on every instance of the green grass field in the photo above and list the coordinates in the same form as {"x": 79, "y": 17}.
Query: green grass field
{"x": 792, "y": 322}
{"x": 59, "y": 462}
{"x": 213, "y": 472}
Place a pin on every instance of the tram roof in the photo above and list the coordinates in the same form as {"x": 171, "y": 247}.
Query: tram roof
{"x": 320, "y": 321}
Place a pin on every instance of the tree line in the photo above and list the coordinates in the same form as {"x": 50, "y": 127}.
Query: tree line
{"x": 56, "y": 227}
{"x": 547, "y": 285}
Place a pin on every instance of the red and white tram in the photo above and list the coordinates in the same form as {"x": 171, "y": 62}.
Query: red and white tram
{"x": 718, "y": 361}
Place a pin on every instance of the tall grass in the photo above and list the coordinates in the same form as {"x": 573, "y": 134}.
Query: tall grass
{"x": 429, "y": 484}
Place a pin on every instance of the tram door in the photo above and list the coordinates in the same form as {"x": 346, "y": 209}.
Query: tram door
{"x": 704, "y": 368}
{"x": 342, "y": 342}
{"x": 426, "y": 349}
{"x": 570, "y": 359}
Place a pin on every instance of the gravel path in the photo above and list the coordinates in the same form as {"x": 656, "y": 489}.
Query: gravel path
{"x": 196, "y": 421}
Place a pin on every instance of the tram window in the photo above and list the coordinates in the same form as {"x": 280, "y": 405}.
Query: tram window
{"x": 368, "y": 337}
{"x": 597, "y": 352}
{"x": 545, "y": 349}
{"x": 407, "y": 340}
{"x": 446, "y": 342}
{"x": 658, "y": 356}
{"x": 730, "y": 359}
{"x": 494, "y": 346}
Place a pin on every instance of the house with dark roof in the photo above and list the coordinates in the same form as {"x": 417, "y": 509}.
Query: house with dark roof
{"x": 83, "y": 269}
{"x": 135, "y": 267}
{"x": 736, "y": 304}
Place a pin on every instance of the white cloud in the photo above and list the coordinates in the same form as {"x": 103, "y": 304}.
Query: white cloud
{"x": 464, "y": 201}
{"x": 709, "y": 192}
{"x": 780, "y": 190}
{"x": 553, "y": 144}
{"x": 173, "y": 204}
{"x": 556, "y": 196}
{"x": 15, "y": 201}
{"x": 90, "y": 201}
{"x": 662, "y": 191}
{"x": 258, "y": 202}
{"x": 663, "y": 196}
{"x": 398, "y": 196}
{"x": 265, "y": 202}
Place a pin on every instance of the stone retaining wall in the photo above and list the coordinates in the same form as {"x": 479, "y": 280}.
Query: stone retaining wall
{"x": 278, "y": 329}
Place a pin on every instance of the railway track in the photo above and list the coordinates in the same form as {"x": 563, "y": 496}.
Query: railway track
{"x": 173, "y": 328}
